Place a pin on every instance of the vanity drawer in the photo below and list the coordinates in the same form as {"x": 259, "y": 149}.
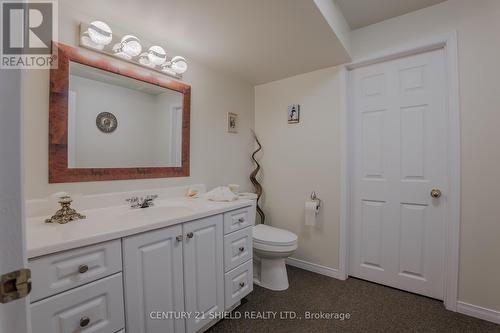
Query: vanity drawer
{"x": 62, "y": 271}
{"x": 96, "y": 307}
{"x": 237, "y": 248}
{"x": 238, "y": 283}
{"x": 238, "y": 219}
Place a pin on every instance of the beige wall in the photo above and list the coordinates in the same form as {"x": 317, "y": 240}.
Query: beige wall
{"x": 300, "y": 158}
{"x": 478, "y": 26}
{"x": 217, "y": 157}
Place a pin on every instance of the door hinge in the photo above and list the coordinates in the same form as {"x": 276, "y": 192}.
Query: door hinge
{"x": 15, "y": 285}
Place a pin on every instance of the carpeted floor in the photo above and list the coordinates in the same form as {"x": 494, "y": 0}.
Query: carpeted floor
{"x": 372, "y": 308}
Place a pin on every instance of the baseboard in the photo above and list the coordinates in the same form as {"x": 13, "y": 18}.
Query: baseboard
{"x": 478, "y": 312}
{"x": 309, "y": 266}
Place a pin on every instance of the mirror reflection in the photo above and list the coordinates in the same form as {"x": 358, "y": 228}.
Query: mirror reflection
{"x": 119, "y": 122}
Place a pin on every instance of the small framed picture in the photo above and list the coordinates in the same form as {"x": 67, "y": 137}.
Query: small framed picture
{"x": 293, "y": 114}
{"x": 232, "y": 122}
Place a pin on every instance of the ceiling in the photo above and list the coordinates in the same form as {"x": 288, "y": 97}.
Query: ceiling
{"x": 256, "y": 40}
{"x": 361, "y": 13}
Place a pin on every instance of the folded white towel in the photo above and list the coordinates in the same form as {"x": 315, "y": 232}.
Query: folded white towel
{"x": 221, "y": 193}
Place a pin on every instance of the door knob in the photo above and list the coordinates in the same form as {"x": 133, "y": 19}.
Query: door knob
{"x": 436, "y": 193}
{"x": 190, "y": 235}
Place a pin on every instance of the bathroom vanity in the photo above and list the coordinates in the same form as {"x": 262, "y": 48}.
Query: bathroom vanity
{"x": 174, "y": 267}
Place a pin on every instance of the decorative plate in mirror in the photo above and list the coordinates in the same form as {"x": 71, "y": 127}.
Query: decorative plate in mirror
{"x": 106, "y": 122}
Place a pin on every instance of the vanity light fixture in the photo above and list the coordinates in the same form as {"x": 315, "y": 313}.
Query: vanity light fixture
{"x": 179, "y": 64}
{"x": 130, "y": 45}
{"x": 157, "y": 55}
{"x": 98, "y": 35}
{"x": 144, "y": 60}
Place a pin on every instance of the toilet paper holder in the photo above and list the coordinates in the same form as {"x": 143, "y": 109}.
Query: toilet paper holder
{"x": 314, "y": 197}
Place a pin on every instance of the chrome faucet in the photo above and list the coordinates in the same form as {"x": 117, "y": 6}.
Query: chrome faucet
{"x": 142, "y": 202}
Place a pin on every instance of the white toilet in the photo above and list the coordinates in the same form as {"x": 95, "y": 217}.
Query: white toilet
{"x": 271, "y": 246}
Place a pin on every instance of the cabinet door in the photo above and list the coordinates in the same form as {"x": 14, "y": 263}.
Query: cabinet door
{"x": 203, "y": 270}
{"x": 153, "y": 281}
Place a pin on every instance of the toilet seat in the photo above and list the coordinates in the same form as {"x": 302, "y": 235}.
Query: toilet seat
{"x": 273, "y": 239}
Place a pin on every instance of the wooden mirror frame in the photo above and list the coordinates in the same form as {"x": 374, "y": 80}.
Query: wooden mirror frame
{"x": 58, "y": 118}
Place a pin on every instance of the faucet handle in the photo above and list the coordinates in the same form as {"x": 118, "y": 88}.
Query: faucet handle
{"x": 132, "y": 200}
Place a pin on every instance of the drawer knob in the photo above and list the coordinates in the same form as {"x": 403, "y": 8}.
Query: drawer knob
{"x": 241, "y": 220}
{"x": 190, "y": 235}
{"x": 84, "y": 321}
{"x": 242, "y": 284}
{"x": 83, "y": 269}
{"x": 242, "y": 249}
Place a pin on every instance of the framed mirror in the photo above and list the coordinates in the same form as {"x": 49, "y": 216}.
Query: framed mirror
{"x": 111, "y": 120}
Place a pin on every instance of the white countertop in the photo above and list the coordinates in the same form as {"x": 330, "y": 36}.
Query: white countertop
{"x": 110, "y": 223}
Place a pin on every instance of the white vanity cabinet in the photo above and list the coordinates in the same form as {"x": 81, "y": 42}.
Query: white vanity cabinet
{"x": 174, "y": 271}
{"x": 178, "y": 278}
{"x": 79, "y": 290}
{"x": 203, "y": 271}
{"x": 153, "y": 276}
{"x": 238, "y": 254}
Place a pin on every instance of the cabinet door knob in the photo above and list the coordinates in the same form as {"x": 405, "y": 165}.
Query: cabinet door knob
{"x": 83, "y": 269}
{"x": 190, "y": 235}
{"x": 241, "y": 220}
{"x": 179, "y": 238}
{"x": 242, "y": 284}
{"x": 84, "y": 321}
{"x": 242, "y": 249}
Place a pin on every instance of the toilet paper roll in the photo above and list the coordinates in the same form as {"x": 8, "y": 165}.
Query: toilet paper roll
{"x": 311, "y": 210}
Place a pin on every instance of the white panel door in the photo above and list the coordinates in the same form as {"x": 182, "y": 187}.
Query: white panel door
{"x": 13, "y": 316}
{"x": 399, "y": 133}
{"x": 153, "y": 277}
{"x": 203, "y": 270}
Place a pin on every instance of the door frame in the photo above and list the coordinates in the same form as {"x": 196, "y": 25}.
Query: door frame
{"x": 449, "y": 43}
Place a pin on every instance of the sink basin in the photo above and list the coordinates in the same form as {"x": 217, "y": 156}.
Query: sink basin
{"x": 157, "y": 212}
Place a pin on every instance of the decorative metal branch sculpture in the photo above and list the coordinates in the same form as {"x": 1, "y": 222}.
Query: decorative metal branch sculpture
{"x": 253, "y": 179}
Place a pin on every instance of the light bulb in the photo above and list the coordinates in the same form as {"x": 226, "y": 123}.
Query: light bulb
{"x": 86, "y": 41}
{"x": 179, "y": 64}
{"x": 100, "y": 33}
{"x": 157, "y": 55}
{"x": 131, "y": 45}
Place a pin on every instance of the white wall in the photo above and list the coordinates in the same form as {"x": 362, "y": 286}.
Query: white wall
{"x": 163, "y": 130}
{"x": 300, "y": 158}
{"x": 143, "y": 136}
{"x": 333, "y": 15}
{"x": 136, "y": 114}
{"x": 478, "y": 26}
{"x": 217, "y": 157}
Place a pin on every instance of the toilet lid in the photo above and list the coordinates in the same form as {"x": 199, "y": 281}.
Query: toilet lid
{"x": 266, "y": 234}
